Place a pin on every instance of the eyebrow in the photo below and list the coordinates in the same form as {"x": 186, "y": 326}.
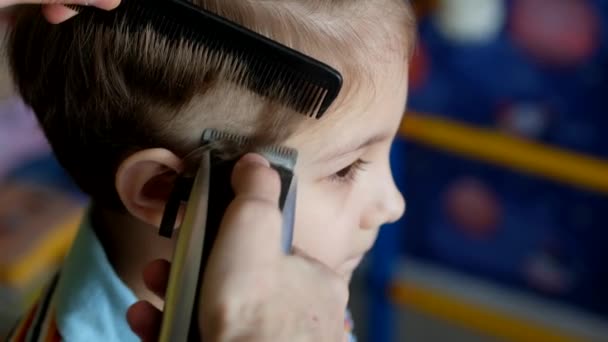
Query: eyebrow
{"x": 354, "y": 146}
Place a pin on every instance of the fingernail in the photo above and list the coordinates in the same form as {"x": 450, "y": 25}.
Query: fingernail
{"x": 104, "y": 4}
{"x": 56, "y": 14}
{"x": 253, "y": 159}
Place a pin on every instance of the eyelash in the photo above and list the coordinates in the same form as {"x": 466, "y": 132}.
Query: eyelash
{"x": 349, "y": 173}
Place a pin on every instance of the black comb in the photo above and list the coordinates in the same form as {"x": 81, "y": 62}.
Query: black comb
{"x": 304, "y": 84}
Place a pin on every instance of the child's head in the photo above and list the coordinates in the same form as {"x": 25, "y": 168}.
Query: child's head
{"x": 122, "y": 110}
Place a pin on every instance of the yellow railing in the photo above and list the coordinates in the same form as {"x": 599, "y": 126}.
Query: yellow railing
{"x": 476, "y": 317}
{"x": 552, "y": 163}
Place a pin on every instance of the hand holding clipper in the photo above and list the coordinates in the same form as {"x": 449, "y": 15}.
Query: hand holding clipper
{"x": 251, "y": 287}
{"x": 252, "y": 290}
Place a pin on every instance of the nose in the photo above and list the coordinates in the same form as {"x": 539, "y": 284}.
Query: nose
{"x": 396, "y": 207}
{"x": 387, "y": 208}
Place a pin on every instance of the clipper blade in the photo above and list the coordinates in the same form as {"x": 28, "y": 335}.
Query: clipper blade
{"x": 276, "y": 155}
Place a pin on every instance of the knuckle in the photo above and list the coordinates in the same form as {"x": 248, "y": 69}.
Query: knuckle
{"x": 254, "y": 212}
{"x": 269, "y": 174}
{"x": 269, "y": 180}
{"x": 214, "y": 319}
{"x": 256, "y": 181}
{"x": 340, "y": 289}
{"x": 266, "y": 178}
{"x": 238, "y": 305}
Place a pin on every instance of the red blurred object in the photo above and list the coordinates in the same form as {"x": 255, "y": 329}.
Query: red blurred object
{"x": 473, "y": 207}
{"x": 419, "y": 67}
{"x": 423, "y": 8}
{"x": 546, "y": 274}
{"x": 556, "y": 32}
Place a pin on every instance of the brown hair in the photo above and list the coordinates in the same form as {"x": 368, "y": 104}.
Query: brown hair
{"x": 102, "y": 93}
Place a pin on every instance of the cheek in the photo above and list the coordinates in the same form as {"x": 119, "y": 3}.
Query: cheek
{"x": 322, "y": 228}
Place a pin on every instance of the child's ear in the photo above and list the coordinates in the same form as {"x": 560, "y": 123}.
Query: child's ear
{"x": 144, "y": 181}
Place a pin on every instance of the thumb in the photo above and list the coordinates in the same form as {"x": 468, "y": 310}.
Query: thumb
{"x": 250, "y": 233}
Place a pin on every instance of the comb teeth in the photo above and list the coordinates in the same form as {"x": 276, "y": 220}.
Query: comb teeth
{"x": 277, "y": 155}
{"x": 270, "y": 69}
{"x": 76, "y": 8}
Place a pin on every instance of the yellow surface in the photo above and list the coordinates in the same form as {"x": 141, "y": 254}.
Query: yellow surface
{"x": 475, "y": 316}
{"x": 514, "y": 153}
{"x": 50, "y": 252}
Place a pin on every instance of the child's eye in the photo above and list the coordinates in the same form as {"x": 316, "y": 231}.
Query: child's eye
{"x": 349, "y": 173}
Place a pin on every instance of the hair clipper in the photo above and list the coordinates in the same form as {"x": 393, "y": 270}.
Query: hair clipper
{"x": 208, "y": 196}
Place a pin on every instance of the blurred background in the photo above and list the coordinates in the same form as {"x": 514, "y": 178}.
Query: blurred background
{"x": 503, "y": 157}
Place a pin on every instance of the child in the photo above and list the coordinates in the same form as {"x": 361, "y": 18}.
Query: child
{"x": 122, "y": 112}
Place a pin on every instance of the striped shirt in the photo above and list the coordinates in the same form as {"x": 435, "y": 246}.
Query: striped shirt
{"x": 39, "y": 323}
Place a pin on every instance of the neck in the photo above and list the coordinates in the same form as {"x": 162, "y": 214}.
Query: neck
{"x": 130, "y": 245}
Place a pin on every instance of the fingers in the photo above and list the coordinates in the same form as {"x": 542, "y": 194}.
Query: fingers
{"x": 103, "y": 4}
{"x": 57, "y": 13}
{"x": 250, "y": 232}
{"x": 301, "y": 254}
{"x": 254, "y": 179}
{"x": 156, "y": 276}
{"x": 339, "y": 287}
{"x": 145, "y": 320}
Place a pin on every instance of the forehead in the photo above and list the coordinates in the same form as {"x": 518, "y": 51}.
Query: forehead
{"x": 374, "y": 108}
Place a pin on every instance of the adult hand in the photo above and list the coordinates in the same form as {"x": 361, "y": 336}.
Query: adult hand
{"x": 252, "y": 291}
{"x": 56, "y": 12}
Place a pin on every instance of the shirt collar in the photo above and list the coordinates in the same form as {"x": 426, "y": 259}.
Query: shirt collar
{"x": 91, "y": 300}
